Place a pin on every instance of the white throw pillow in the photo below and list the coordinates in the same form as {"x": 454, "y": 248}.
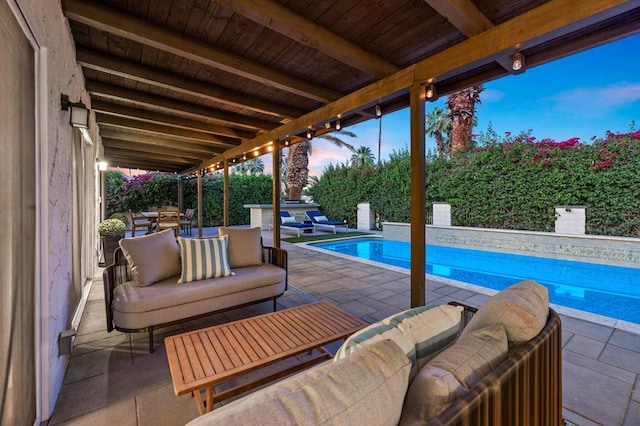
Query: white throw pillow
{"x": 152, "y": 257}
{"x": 321, "y": 219}
{"x": 288, "y": 219}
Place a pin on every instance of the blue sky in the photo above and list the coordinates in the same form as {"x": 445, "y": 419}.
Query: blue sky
{"x": 582, "y": 95}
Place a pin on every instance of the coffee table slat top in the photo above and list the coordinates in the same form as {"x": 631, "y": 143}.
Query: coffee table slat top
{"x": 211, "y": 355}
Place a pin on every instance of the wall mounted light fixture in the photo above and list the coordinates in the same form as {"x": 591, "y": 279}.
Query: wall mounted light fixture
{"x": 79, "y": 116}
{"x": 102, "y": 166}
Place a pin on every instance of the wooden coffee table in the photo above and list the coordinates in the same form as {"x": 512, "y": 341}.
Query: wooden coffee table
{"x": 201, "y": 359}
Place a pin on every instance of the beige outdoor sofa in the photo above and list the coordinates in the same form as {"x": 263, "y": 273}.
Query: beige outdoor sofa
{"x": 442, "y": 365}
{"x": 143, "y": 290}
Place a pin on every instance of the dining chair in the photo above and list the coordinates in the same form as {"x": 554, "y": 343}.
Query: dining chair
{"x": 169, "y": 219}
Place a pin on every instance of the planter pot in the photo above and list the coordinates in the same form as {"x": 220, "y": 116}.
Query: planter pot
{"x": 109, "y": 245}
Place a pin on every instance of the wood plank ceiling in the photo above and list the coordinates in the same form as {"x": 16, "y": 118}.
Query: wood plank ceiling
{"x": 178, "y": 85}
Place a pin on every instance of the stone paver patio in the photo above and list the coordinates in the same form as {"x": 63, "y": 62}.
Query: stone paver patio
{"x": 112, "y": 379}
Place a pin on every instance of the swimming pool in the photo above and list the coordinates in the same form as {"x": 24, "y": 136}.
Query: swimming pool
{"x": 612, "y": 291}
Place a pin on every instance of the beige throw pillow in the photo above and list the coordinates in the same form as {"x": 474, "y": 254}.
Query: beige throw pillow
{"x": 365, "y": 388}
{"x": 152, "y": 257}
{"x": 245, "y": 248}
{"x": 449, "y": 375}
{"x": 522, "y": 309}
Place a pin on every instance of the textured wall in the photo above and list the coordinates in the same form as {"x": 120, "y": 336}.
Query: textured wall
{"x": 62, "y": 75}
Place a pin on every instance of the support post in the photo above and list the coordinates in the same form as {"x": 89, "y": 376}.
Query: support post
{"x": 276, "y": 193}
{"x": 225, "y": 194}
{"x": 200, "y": 173}
{"x": 180, "y": 193}
{"x": 418, "y": 195}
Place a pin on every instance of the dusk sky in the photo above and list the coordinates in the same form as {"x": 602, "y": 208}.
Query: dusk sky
{"x": 582, "y": 95}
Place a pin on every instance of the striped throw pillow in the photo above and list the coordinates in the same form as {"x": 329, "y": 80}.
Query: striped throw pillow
{"x": 203, "y": 258}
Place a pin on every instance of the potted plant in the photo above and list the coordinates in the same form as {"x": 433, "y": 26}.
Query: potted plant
{"x": 111, "y": 231}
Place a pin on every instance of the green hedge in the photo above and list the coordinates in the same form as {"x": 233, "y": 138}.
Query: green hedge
{"x": 146, "y": 191}
{"x": 514, "y": 183}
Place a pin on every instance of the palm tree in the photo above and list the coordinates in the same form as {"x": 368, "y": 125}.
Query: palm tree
{"x": 362, "y": 157}
{"x": 253, "y": 166}
{"x": 438, "y": 125}
{"x": 462, "y": 105}
{"x": 298, "y": 161}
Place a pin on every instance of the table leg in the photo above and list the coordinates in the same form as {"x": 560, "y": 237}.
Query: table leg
{"x": 209, "y": 406}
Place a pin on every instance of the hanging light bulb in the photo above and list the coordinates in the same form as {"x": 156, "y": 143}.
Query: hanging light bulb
{"x": 310, "y": 134}
{"x": 518, "y": 62}
{"x": 431, "y": 93}
{"x": 378, "y": 111}
{"x": 327, "y": 125}
{"x": 286, "y": 142}
{"x": 338, "y": 125}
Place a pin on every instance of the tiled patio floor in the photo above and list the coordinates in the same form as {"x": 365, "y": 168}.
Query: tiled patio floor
{"x": 112, "y": 380}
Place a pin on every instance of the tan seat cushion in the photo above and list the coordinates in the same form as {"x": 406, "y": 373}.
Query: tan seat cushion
{"x": 453, "y": 372}
{"x": 152, "y": 257}
{"x": 245, "y": 246}
{"x": 522, "y": 309}
{"x": 365, "y": 388}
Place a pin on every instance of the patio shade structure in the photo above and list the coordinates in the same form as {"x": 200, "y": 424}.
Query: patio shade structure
{"x": 182, "y": 86}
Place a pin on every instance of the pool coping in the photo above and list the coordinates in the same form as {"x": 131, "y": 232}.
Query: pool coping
{"x": 616, "y": 323}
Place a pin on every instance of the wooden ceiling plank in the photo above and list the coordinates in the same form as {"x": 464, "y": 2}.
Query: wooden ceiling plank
{"x": 115, "y": 133}
{"x": 153, "y": 156}
{"x": 534, "y": 27}
{"x": 115, "y": 109}
{"x": 132, "y": 28}
{"x": 96, "y": 88}
{"x": 141, "y": 163}
{"x": 463, "y": 14}
{"x": 131, "y": 123}
{"x": 277, "y": 17}
{"x": 126, "y": 69}
{"x": 116, "y": 143}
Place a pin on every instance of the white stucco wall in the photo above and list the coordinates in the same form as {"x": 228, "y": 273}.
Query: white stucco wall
{"x": 60, "y": 75}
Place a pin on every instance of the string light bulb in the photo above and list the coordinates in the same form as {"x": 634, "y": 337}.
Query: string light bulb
{"x": 378, "y": 111}
{"x": 310, "y": 134}
{"x": 518, "y": 63}
{"x": 338, "y": 125}
{"x": 431, "y": 93}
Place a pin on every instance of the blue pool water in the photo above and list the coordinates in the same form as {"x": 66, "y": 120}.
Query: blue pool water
{"x": 612, "y": 291}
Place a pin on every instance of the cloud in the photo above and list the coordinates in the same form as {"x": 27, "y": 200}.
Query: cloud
{"x": 491, "y": 95}
{"x": 598, "y": 100}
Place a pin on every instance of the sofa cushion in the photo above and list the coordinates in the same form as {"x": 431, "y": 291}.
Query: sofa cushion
{"x": 450, "y": 374}
{"x": 420, "y": 332}
{"x": 366, "y": 388}
{"x": 152, "y": 257}
{"x": 522, "y": 309}
{"x": 203, "y": 258}
{"x": 245, "y": 246}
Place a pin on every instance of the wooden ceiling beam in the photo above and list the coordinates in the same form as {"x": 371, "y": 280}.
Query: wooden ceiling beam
{"x": 467, "y": 18}
{"x": 132, "y": 28}
{"x": 195, "y": 135}
{"x": 155, "y": 149}
{"x": 225, "y": 118}
{"x": 551, "y": 20}
{"x": 172, "y": 120}
{"x": 152, "y": 156}
{"x": 279, "y": 18}
{"x": 115, "y": 133}
{"x": 141, "y": 163}
{"x": 178, "y": 83}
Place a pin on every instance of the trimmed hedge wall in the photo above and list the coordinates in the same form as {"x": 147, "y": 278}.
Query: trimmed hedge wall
{"x": 514, "y": 183}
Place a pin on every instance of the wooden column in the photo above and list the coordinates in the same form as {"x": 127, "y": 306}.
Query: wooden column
{"x": 225, "y": 194}
{"x": 418, "y": 196}
{"x": 276, "y": 193}
{"x": 180, "y": 193}
{"x": 200, "y": 174}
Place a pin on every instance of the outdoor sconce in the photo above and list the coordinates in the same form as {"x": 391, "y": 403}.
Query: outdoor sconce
{"x": 103, "y": 166}
{"x": 79, "y": 113}
{"x": 431, "y": 93}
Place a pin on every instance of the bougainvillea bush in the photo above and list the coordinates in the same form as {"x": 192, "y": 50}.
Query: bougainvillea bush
{"x": 512, "y": 182}
{"x": 143, "y": 192}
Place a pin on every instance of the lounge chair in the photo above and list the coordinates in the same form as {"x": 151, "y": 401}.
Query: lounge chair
{"x": 289, "y": 223}
{"x": 320, "y": 221}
